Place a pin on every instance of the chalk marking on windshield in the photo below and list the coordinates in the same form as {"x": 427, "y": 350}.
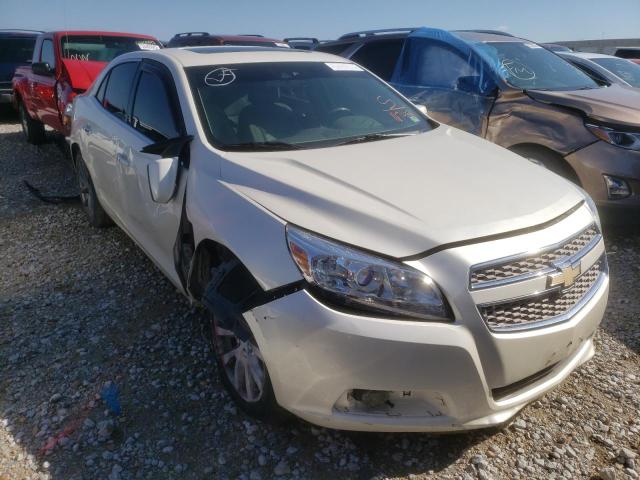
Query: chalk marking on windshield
{"x": 79, "y": 56}
{"x": 220, "y": 77}
{"x": 398, "y": 112}
{"x": 518, "y": 70}
{"x": 148, "y": 46}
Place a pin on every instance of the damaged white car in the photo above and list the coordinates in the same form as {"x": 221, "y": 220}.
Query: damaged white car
{"x": 364, "y": 267}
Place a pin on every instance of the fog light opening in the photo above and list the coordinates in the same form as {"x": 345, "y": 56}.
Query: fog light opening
{"x": 372, "y": 398}
{"x": 617, "y": 188}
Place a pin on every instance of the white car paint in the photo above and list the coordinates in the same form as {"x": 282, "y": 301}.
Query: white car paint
{"x": 442, "y": 202}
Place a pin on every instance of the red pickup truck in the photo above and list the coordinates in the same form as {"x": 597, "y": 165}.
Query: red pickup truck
{"x": 65, "y": 64}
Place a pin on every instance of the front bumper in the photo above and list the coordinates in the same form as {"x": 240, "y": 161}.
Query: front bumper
{"x": 444, "y": 376}
{"x": 601, "y": 158}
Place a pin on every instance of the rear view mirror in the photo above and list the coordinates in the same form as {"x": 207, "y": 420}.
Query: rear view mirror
{"x": 422, "y": 108}
{"x": 163, "y": 176}
{"x": 42, "y": 68}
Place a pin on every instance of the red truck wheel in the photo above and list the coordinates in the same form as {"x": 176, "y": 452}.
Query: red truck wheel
{"x": 33, "y": 129}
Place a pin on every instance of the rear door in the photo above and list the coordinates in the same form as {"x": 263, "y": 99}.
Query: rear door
{"x": 104, "y": 127}
{"x": 156, "y": 117}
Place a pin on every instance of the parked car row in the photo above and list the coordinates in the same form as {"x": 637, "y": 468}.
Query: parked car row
{"x": 364, "y": 265}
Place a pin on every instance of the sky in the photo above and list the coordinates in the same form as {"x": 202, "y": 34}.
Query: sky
{"x": 538, "y": 20}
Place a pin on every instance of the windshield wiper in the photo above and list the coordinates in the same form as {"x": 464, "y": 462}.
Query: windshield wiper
{"x": 372, "y": 137}
{"x": 252, "y": 146}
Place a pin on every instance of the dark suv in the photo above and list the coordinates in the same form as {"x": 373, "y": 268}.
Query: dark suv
{"x": 16, "y": 49}
{"x": 377, "y": 50}
{"x": 197, "y": 39}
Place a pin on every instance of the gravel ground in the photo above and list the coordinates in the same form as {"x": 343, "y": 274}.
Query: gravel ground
{"x": 86, "y": 318}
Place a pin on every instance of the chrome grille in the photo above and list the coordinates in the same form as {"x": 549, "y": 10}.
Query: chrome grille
{"x": 526, "y": 266}
{"x": 527, "y": 312}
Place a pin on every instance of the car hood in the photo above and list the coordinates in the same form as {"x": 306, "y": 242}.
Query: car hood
{"x": 614, "y": 104}
{"x": 82, "y": 73}
{"x": 403, "y": 196}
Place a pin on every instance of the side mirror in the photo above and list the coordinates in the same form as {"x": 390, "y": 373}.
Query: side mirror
{"x": 163, "y": 176}
{"x": 42, "y": 68}
{"x": 422, "y": 108}
{"x": 163, "y": 172}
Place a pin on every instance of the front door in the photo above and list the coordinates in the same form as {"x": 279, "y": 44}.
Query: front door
{"x": 156, "y": 117}
{"x": 43, "y": 88}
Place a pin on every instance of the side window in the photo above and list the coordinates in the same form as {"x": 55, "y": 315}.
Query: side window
{"x": 47, "y": 54}
{"x": 380, "y": 57}
{"x": 118, "y": 87}
{"x": 102, "y": 89}
{"x": 441, "y": 66}
{"x": 153, "y": 115}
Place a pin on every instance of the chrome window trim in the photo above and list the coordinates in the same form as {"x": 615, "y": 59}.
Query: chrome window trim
{"x": 522, "y": 256}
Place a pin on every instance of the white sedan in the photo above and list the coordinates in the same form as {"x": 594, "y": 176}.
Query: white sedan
{"x": 363, "y": 266}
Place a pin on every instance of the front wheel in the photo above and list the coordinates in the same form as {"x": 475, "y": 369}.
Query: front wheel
{"x": 33, "y": 129}
{"x": 241, "y": 365}
{"x": 242, "y": 369}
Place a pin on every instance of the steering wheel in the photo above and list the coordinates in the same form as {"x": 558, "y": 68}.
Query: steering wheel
{"x": 337, "y": 113}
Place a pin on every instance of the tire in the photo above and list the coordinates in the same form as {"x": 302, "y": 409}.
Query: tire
{"x": 88, "y": 198}
{"x": 33, "y": 129}
{"x": 550, "y": 160}
{"x": 241, "y": 367}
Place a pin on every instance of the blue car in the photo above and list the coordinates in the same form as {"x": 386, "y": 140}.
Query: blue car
{"x": 16, "y": 49}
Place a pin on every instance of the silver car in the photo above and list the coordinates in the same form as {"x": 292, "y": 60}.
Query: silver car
{"x": 605, "y": 68}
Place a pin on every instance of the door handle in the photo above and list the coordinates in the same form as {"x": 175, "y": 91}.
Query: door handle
{"x": 123, "y": 159}
{"x": 87, "y": 129}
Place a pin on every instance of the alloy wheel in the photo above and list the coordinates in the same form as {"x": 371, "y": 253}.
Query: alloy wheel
{"x": 241, "y": 360}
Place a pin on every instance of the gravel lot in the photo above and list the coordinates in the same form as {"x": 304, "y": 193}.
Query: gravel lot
{"x": 83, "y": 314}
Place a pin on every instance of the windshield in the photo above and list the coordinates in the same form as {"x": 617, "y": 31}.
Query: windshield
{"x": 99, "y": 48}
{"x": 626, "y": 70}
{"x": 16, "y": 50}
{"x": 528, "y": 66}
{"x": 297, "y": 105}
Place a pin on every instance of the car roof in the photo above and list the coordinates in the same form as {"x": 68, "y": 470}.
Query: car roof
{"x": 587, "y": 55}
{"x": 63, "y": 33}
{"x": 19, "y": 33}
{"x": 479, "y": 36}
{"x": 201, "y": 56}
{"x": 236, "y": 38}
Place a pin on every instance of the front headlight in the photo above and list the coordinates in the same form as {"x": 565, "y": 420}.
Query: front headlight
{"x": 363, "y": 281}
{"x": 619, "y": 138}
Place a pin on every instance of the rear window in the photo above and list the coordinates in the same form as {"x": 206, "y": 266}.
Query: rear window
{"x": 380, "y": 57}
{"x": 335, "y": 49}
{"x": 16, "y": 50}
{"x": 628, "y": 53}
{"x": 102, "y": 48}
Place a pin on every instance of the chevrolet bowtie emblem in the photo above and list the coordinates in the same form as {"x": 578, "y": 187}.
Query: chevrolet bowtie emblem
{"x": 565, "y": 276}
